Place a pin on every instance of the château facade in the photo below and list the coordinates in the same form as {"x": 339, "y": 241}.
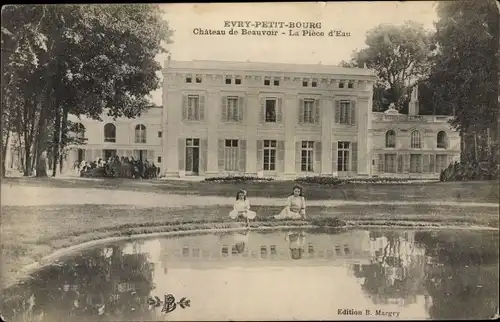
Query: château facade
{"x": 274, "y": 120}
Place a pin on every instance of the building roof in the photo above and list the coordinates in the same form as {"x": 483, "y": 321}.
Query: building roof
{"x": 267, "y": 67}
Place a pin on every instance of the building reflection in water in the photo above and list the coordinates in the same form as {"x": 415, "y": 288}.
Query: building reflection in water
{"x": 447, "y": 274}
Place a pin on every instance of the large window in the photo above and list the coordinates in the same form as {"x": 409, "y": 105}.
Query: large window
{"x": 140, "y": 134}
{"x": 308, "y": 111}
{"x": 390, "y": 163}
{"x": 415, "y": 163}
{"x": 307, "y": 153}
{"x": 345, "y": 112}
{"x": 270, "y": 110}
{"x": 343, "y": 156}
{"x": 232, "y": 109}
{"x": 231, "y": 160}
{"x": 193, "y": 108}
{"x": 442, "y": 140}
{"x": 269, "y": 155}
{"x": 390, "y": 139}
{"x": 441, "y": 162}
{"x": 109, "y": 132}
{"x": 416, "y": 140}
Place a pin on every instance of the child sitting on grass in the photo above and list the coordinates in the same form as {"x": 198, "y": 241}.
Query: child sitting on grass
{"x": 242, "y": 207}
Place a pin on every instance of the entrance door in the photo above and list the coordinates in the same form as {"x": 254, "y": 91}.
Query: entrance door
{"x": 81, "y": 155}
{"x": 343, "y": 161}
{"x": 192, "y": 156}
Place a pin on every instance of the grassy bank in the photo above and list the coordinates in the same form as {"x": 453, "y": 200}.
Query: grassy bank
{"x": 30, "y": 233}
{"x": 480, "y": 191}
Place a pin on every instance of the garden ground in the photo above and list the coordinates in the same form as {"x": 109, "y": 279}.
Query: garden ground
{"x": 40, "y": 216}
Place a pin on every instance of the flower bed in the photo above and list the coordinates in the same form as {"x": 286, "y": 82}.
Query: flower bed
{"x": 334, "y": 181}
{"x": 232, "y": 179}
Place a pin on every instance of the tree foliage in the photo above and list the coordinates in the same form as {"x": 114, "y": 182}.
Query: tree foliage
{"x": 77, "y": 59}
{"x": 400, "y": 56}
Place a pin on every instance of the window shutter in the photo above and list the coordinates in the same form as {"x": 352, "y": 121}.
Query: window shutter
{"x": 220, "y": 155}
{"x": 317, "y": 156}
{"x": 381, "y": 159}
{"x": 202, "y": 107}
{"x": 354, "y": 158}
{"x": 242, "y": 144}
{"x": 182, "y": 154}
{"x": 425, "y": 163}
{"x": 353, "y": 113}
{"x": 406, "y": 163}
{"x": 279, "y": 110}
{"x": 337, "y": 111}
{"x": 184, "y": 107}
{"x": 280, "y": 156}
{"x": 260, "y": 155}
{"x": 203, "y": 155}
{"x": 316, "y": 112}
{"x": 335, "y": 155}
{"x": 432, "y": 163}
{"x": 241, "y": 108}
{"x": 298, "y": 156}
{"x": 301, "y": 111}
{"x": 374, "y": 163}
{"x": 262, "y": 110}
{"x": 400, "y": 163}
{"x": 223, "y": 105}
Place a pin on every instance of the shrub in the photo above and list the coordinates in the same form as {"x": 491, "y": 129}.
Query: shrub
{"x": 231, "y": 179}
{"x": 465, "y": 171}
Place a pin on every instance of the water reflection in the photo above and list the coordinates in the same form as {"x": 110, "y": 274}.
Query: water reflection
{"x": 423, "y": 274}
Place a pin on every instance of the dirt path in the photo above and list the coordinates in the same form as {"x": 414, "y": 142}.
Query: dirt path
{"x": 44, "y": 196}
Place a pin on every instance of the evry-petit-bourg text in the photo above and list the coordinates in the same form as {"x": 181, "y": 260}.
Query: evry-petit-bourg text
{"x": 270, "y": 28}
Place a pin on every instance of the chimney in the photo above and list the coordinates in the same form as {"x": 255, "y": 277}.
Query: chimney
{"x": 413, "y": 105}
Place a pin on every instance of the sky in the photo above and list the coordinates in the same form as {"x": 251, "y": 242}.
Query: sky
{"x": 355, "y": 18}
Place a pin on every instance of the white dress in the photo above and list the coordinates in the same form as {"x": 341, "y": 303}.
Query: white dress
{"x": 295, "y": 208}
{"x": 242, "y": 208}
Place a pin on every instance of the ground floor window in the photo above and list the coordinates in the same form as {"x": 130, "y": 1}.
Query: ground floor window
{"x": 108, "y": 154}
{"x": 343, "y": 156}
{"x": 306, "y": 162}
{"x": 415, "y": 163}
{"x": 269, "y": 155}
{"x": 441, "y": 162}
{"x": 231, "y": 155}
{"x": 390, "y": 163}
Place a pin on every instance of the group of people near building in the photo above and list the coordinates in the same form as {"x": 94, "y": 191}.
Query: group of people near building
{"x": 118, "y": 167}
{"x": 295, "y": 206}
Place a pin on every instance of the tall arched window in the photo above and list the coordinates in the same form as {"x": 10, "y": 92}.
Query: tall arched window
{"x": 80, "y": 131}
{"x": 416, "y": 140}
{"x": 109, "y": 132}
{"x": 442, "y": 140}
{"x": 140, "y": 134}
{"x": 390, "y": 139}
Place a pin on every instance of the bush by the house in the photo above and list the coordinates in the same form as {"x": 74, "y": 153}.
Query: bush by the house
{"x": 230, "y": 179}
{"x": 465, "y": 171}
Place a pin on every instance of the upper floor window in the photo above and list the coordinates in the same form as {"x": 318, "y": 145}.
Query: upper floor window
{"x": 416, "y": 140}
{"x": 442, "y": 140}
{"x": 341, "y": 84}
{"x": 345, "y": 112}
{"x": 109, "y": 132}
{"x": 305, "y": 83}
{"x": 314, "y": 84}
{"x": 267, "y": 82}
{"x": 198, "y": 79}
{"x": 193, "y": 108}
{"x": 237, "y": 80}
{"x": 307, "y": 111}
{"x": 276, "y": 82}
{"x": 390, "y": 139}
{"x": 350, "y": 84}
{"x": 189, "y": 80}
{"x": 140, "y": 134}
{"x": 80, "y": 131}
{"x": 232, "y": 108}
{"x": 228, "y": 80}
{"x": 160, "y": 134}
{"x": 270, "y": 110}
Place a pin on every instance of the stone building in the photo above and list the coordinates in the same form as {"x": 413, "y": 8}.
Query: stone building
{"x": 274, "y": 120}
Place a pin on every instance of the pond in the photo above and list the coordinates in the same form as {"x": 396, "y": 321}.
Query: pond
{"x": 305, "y": 274}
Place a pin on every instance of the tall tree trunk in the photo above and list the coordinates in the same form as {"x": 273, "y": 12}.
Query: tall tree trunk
{"x": 64, "y": 136}
{"x": 41, "y": 157}
{"x": 5, "y": 146}
{"x": 56, "y": 139}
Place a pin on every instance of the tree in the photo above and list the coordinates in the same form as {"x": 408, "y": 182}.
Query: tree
{"x": 465, "y": 73}
{"x": 105, "y": 63}
{"x": 399, "y": 55}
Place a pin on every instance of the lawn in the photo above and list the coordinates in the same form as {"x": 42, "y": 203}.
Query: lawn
{"x": 478, "y": 191}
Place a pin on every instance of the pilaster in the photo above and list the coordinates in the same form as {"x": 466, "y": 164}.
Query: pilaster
{"x": 326, "y": 135}
{"x": 213, "y": 116}
{"x": 290, "y": 113}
